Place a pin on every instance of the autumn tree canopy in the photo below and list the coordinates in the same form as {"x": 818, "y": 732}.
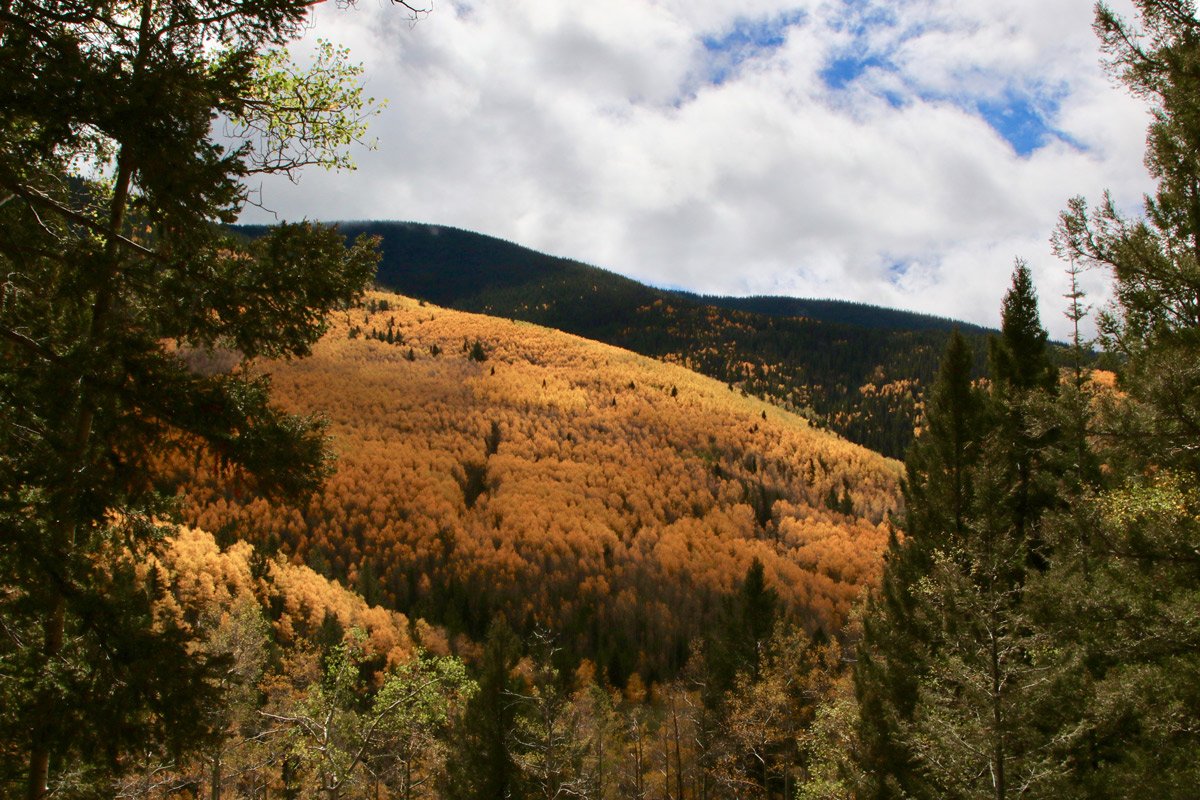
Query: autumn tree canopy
{"x": 608, "y": 497}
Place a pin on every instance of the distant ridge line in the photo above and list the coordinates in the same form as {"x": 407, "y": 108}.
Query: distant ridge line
{"x": 855, "y": 369}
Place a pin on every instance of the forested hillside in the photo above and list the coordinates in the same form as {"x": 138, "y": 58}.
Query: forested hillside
{"x": 546, "y": 567}
{"x": 840, "y": 312}
{"x": 488, "y": 466}
{"x": 858, "y": 370}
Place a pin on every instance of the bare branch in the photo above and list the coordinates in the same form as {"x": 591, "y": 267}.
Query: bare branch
{"x": 35, "y": 197}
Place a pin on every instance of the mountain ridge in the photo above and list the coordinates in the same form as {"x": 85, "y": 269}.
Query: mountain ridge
{"x": 863, "y": 381}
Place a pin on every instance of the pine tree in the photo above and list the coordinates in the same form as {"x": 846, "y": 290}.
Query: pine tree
{"x": 1128, "y": 570}
{"x": 481, "y": 761}
{"x": 939, "y": 498}
{"x": 113, "y": 186}
{"x": 938, "y": 483}
{"x": 1023, "y": 379}
{"x": 1019, "y": 358}
{"x": 735, "y": 645}
{"x": 944, "y": 674}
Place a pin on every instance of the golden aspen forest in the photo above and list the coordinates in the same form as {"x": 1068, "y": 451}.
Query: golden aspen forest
{"x": 283, "y": 518}
{"x": 487, "y": 466}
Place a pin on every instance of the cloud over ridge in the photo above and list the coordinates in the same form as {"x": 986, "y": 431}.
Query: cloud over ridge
{"x": 900, "y": 153}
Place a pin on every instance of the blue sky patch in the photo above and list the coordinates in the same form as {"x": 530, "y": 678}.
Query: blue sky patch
{"x": 897, "y": 271}
{"x": 859, "y": 19}
{"x": 747, "y": 39}
{"x": 845, "y": 69}
{"x": 1023, "y": 120}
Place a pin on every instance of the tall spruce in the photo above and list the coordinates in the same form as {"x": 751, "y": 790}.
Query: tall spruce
{"x": 1124, "y": 588}
{"x": 1019, "y": 359}
{"x": 1023, "y": 380}
{"x": 736, "y": 641}
{"x": 482, "y": 766}
{"x": 950, "y": 677}
{"x": 992, "y": 673}
{"x": 938, "y": 486}
{"x": 894, "y": 653}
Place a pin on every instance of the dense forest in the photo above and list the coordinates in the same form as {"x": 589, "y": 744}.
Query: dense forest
{"x": 324, "y": 695}
{"x": 488, "y": 466}
{"x": 840, "y": 312}
{"x": 857, "y": 370}
{"x": 540, "y": 566}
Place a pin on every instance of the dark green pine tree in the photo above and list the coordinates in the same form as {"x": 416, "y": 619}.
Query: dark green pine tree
{"x": 1125, "y": 588}
{"x": 367, "y": 583}
{"x": 897, "y": 641}
{"x": 946, "y": 676}
{"x": 1019, "y": 358}
{"x": 981, "y": 725}
{"x": 114, "y": 185}
{"x": 1023, "y": 380}
{"x": 481, "y": 764}
{"x": 938, "y": 484}
{"x": 747, "y": 621}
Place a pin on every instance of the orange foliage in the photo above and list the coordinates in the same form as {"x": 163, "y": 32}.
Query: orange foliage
{"x": 623, "y": 493}
{"x": 207, "y": 582}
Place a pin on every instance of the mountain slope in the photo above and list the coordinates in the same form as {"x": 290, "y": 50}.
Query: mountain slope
{"x": 493, "y": 466}
{"x": 839, "y": 312}
{"x": 858, "y": 370}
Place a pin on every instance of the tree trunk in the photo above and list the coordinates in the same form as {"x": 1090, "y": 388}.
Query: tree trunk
{"x": 678, "y": 749}
{"x": 39, "y": 756}
{"x": 997, "y": 722}
{"x": 215, "y": 789}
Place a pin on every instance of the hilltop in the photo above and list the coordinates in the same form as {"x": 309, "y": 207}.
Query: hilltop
{"x": 488, "y": 466}
{"x": 858, "y": 370}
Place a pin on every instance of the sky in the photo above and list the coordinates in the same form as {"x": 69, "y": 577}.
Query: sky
{"x": 895, "y": 152}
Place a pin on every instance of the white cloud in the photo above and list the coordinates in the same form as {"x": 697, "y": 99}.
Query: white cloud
{"x": 621, "y": 135}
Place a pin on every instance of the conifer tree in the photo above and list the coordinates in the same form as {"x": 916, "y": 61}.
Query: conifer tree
{"x": 748, "y": 621}
{"x": 481, "y": 761}
{"x": 1063, "y": 609}
{"x": 939, "y": 494}
{"x": 944, "y": 678}
{"x": 1022, "y": 379}
{"x": 113, "y": 185}
{"x": 938, "y": 485}
{"x": 1128, "y": 569}
{"x": 1019, "y": 358}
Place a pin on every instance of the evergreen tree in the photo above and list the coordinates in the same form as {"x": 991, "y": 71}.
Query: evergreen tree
{"x": 939, "y": 493}
{"x": 1054, "y": 650}
{"x": 549, "y": 739}
{"x": 482, "y": 766}
{"x": 1128, "y": 570}
{"x": 112, "y": 188}
{"x": 938, "y": 484}
{"x": 1022, "y": 380}
{"x": 1019, "y": 358}
{"x": 947, "y": 655}
{"x": 747, "y": 623}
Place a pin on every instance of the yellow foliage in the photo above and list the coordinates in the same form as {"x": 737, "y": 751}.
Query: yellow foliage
{"x": 619, "y": 486}
{"x": 207, "y": 583}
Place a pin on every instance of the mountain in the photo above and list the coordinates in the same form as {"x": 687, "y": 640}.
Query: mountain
{"x": 488, "y": 465}
{"x": 858, "y": 370}
{"x": 840, "y": 312}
